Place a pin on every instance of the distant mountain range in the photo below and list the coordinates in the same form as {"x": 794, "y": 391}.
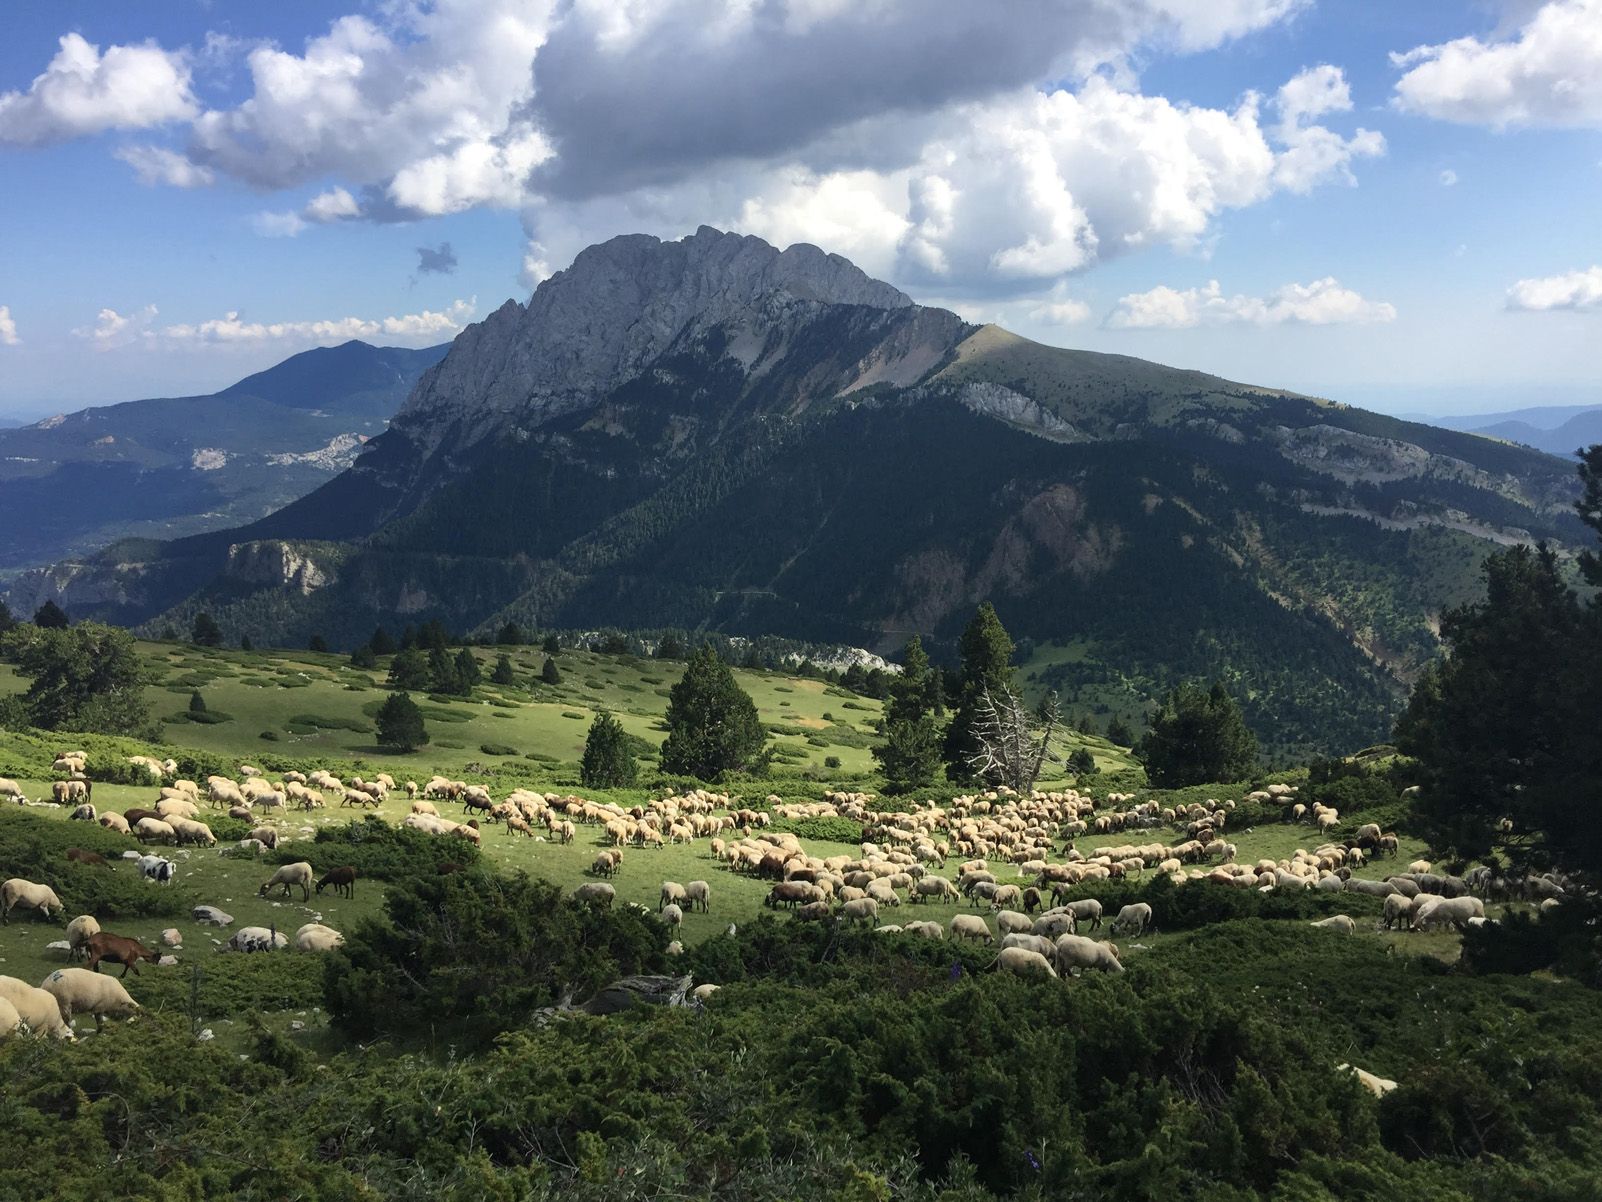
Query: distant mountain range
{"x": 1556, "y": 429}
{"x": 162, "y": 468}
{"x": 713, "y": 434}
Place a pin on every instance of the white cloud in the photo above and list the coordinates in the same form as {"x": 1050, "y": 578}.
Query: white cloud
{"x": 1323, "y": 302}
{"x": 8, "y": 327}
{"x": 1313, "y": 154}
{"x": 1448, "y": 178}
{"x": 84, "y": 92}
{"x": 158, "y": 165}
{"x": 113, "y": 330}
{"x": 336, "y": 204}
{"x": 1548, "y": 74}
{"x": 1573, "y": 290}
{"x": 278, "y": 225}
{"x": 1061, "y": 311}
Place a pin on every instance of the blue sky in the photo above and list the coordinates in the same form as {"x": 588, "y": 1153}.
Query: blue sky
{"x": 1392, "y": 204}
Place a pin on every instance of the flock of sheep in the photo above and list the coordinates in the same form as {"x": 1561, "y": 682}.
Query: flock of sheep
{"x": 1027, "y": 839}
{"x": 48, "y": 1009}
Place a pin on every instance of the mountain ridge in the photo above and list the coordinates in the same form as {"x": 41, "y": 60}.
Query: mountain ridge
{"x": 714, "y": 443}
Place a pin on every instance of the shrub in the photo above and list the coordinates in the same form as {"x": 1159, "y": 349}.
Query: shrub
{"x": 832, "y": 830}
{"x": 498, "y": 749}
{"x": 379, "y": 851}
{"x": 234, "y": 985}
{"x": 36, "y": 848}
{"x": 831, "y": 761}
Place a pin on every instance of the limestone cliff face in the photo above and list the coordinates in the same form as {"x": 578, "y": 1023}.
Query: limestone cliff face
{"x": 619, "y": 308}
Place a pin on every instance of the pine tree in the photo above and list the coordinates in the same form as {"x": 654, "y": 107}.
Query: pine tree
{"x": 433, "y": 636}
{"x": 1087, "y": 724}
{"x": 712, "y": 723}
{"x": 1118, "y": 732}
{"x": 50, "y": 616}
{"x": 550, "y": 673}
{"x": 197, "y": 703}
{"x": 607, "y": 763}
{"x": 381, "y": 643}
{"x": 511, "y": 635}
{"x": 400, "y": 724}
{"x": 503, "y": 673}
{"x": 1197, "y": 737}
{"x": 6, "y": 620}
{"x": 317, "y": 644}
{"x": 467, "y": 670}
{"x": 986, "y": 664}
{"x": 1082, "y": 763}
{"x": 204, "y": 631}
{"x": 409, "y": 670}
{"x": 909, "y": 756}
{"x": 245, "y": 644}
{"x": 443, "y": 676}
{"x": 552, "y": 645}
{"x": 670, "y": 647}
{"x": 363, "y": 657}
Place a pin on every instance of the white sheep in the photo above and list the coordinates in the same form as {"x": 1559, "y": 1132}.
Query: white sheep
{"x": 257, "y": 939}
{"x": 862, "y": 910}
{"x": 78, "y": 932}
{"x": 1077, "y": 951}
{"x": 1010, "y": 922}
{"x": 672, "y": 894}
{"x": 113, "y": 821}
{"x": 970, "y": 926}
{"x": 699, "y": 894}
{"x": 10, "y": 1020}
{"x": 290, "y": 875}
{"x": 673, "y": 915}
{"x": 1337, "y": 922}
{"x": 1024, "y": 963}
{"x": 315, "y": 937}
{"x": 79, "y": 991}
{"x": 1378, "y": 1086}
{"x": 10, "y": 788}
{"x": 26, "y": 895}
{"x": 1134, "y": 918}
{"x": 37, "y": 1010}
{"x": 1033, "y": 943}
{"x": 149, "y": 830}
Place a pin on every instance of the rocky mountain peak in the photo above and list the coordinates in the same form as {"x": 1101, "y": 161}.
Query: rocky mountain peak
{"x": 619, "y": 307}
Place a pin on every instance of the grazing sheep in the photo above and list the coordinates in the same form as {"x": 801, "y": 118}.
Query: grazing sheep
{"x": 341, "y": 879}
{"x": 703, "y": 993}
{"x": 66, "y": 792}
{"x": 862, "y": 910}
{"x": 25, "y": 895}
{"x": 699, "y": 894}
{"x": 597, "y": 893}
{"x": 1086, "y": 909}
{"x": 1398, "y": 909}
{"x": 315, "y": 937}
{"x": 1378, "y": 1086}
{"x": 673, "y": 915}
{"x": 10, "y": 1020}
{"x": 79, "y": 991}
{"x": 37, "y": 1010}
{"x": 1034, "y": 943}
{"x": 290, "y": 875}
{"x": 1076, "y": 951}
{"x": 1025, "y": 963}
{"x": 672, "y": 894}
{"x": 1006, "y": 895}
{"x": 970, "y": 926}
{"x": 1010, "y": 922}
{"x": 1437, "y": 912}
{"x": 928, "y": 930}
{"x": 78, "y": 932}
{"x": 176, "y": 807}
{"x": 257, "y": 939}
{"x": 424, "y": 807}
{"x": 119, "y": 949}
{"x": 84, "y": 813}
{"x": 153, "y": 830}
{"x": 1337, "y": 922}
{"x": 1055, "y": 923}
{"x": 115, "y": 822}
{"x": 1134, "y": 918}
{"x": 10, "y": 788}
{"x": 189, "y": 831}
{"x": 936, "y": 887}
{"x": 817, "y": 911}
{"x": 267, "y": 836}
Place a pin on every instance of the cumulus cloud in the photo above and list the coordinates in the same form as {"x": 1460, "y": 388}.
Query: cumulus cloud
{"x": 1323, "y": 302}
{"x": 1061, "y": 310}
{"x": 336, "y": 204}
{"x": 84, "y": 92}
{"x": 8, "y": 327}
{"x": 1549, "y": 73}
{"x": 113, "y": 330}
{"x": 158, "y": 165}
{"x": 1313, "y": 154}
{"x": 278, "y": 225}
{"x": 1573, "y": 290}
{"x": 440, "y": 260}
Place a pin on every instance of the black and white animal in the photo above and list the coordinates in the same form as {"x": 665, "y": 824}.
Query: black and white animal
{"x": 155, "y": 868}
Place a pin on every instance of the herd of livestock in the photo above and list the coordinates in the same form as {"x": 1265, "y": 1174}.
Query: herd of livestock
{"x": 1017, "y": 858}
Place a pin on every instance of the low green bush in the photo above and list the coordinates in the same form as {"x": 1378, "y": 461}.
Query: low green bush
{"x": 499, "y": 749}
{"x": 35, "y": 848}
{"x": 379, "y": 851}
{"x": 833, "y": 830}
{"x": 230, "y": 986}
{"x": 324, "y": 722}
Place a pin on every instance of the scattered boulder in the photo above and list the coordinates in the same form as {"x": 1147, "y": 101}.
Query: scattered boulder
{"x": 211, "y": 916}
{"x": 172, "y": 937}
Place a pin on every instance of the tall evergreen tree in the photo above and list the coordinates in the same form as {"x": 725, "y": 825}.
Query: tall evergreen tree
{"x": 400, "y": 724}
{"x": 549, "y": 672}
{"x": 245, "y": 644}
{"x": 552, "y": 645}
{"x": 511, "y": 635}
{"x": 204, "y": 631}
{"x": 197, "y": 703}
{"x": 87, "y": 677}
{"x": 317, "y": 644}
{"x": 1197, "y": 737}
{"x": 381, "y": 643}
{"x": 1506, "y": 730}
{"x": 1118, "y": 732}
{"x": 607, "y": 762}
{"x": 443, "y": 676}
{"x": 503, "y": 673}
{"x": 986, "y": 652}
{"x": 467, "y": 670}
{"x": 671, "y": 647}
{"x": 712, "y": 723}
{"x": 50, "y": 616}
{"x": 909, "y": 756}
{"x": 363, "y": 657}
{"x": 409, "y": 670}
{"x": 6, "y": 620}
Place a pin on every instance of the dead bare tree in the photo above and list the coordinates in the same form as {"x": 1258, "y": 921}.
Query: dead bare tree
{"x": 1014, "y": 742}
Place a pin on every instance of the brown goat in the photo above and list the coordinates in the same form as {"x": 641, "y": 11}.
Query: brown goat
{"x": 92, "y": 858}
{"x": 119, "y": 949}
{"x": 343, "y": 879}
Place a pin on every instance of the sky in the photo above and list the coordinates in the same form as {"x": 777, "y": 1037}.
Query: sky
{"x": 1395, "y": 205}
